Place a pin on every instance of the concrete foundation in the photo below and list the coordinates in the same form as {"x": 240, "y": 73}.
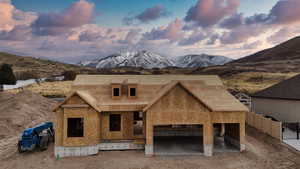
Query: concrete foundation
{"x": 234, "y": 142}
{"x": 242, "y": 147}
{"x": 121, "y": 146}
{"x": 149, "y": 150}
{"x": 208, "y": 149}
{"x": 60, "y": 151}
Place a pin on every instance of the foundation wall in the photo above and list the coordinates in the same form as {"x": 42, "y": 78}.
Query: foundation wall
{"x": 60, "y": 151}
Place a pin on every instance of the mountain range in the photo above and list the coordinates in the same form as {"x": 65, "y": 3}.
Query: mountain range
{"x": 282, "y": 58}
{"x": 149, "y": 60}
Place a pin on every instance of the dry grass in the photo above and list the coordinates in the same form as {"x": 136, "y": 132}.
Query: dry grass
{"x": 251, "y": 82}
{"x": 49, "y": 89}
{"x": 248, "y": 82}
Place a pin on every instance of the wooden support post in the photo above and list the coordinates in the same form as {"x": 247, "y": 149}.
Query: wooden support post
{"x": 149, "y": 149}
{"x": 242, "y": 136}
{"x": 208, "y": 139}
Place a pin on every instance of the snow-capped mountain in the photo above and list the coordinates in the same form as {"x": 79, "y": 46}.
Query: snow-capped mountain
{"x": 203, "y": 60}
{"x": 143, "y": 59}
{"x": 150, "y": 60}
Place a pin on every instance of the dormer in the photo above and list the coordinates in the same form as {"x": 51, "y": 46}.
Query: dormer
{"x": 116, "y": 88}
{"x": 132, "y": 88}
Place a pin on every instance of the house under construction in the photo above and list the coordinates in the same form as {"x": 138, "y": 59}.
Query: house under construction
{"x": 161, "y": 114}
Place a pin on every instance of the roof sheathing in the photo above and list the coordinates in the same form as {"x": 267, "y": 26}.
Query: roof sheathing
{"x": 207, "y": 89}
{"x": 210, "y": 80}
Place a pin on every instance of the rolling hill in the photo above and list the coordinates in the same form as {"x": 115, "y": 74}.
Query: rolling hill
{"x": 286, "y": 51}
{"x": 283, "y": 58}
{"x": 40, "y": 67}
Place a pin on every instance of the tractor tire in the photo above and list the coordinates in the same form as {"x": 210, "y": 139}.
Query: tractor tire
{"x": 44, "y": 143}
{"x": 19, "y": 148}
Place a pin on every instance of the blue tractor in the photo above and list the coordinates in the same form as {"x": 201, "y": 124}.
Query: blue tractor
{"x": 36, "y": 137}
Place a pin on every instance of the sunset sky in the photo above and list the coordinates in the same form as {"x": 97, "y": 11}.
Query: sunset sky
{"x": 74, "y": 30}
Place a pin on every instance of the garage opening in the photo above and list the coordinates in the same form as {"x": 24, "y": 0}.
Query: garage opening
{"x": 226, "y": 137}
{"x": 178, "y": 140}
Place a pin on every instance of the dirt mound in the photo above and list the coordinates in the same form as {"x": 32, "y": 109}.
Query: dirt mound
{"x": 20, "y": 111}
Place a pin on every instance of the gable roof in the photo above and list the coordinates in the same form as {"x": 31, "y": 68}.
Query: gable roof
{"x": 215, "y": 99}
{"x": 84, "y": 95}
{"x": 207, "y": 89}
{"x": 287, "y": 89}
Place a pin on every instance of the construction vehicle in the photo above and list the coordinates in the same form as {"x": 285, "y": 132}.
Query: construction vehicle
{"x": 36, "y": 137}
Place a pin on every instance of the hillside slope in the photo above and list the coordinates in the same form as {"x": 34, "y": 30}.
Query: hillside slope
{"x": 42, "y": 68}
{"x": 283, "y": 58}
{"x": 289, "y": 50}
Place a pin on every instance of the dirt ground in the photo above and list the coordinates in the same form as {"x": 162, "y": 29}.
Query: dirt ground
{"x": 19, "y": 111}
{"x": 262, "y": 152}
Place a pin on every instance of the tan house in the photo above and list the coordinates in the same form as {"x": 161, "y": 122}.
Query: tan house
{"x": 158, "y": 113}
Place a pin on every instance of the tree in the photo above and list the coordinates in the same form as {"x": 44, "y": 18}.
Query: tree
{"x": 69, "y": 75}
{"x": 6, "y": 76}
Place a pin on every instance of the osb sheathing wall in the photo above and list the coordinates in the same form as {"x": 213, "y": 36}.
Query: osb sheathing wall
{"x": 126, "y": 126}
{"x": 180, "y": 107}
{"x": 91, "y": 124}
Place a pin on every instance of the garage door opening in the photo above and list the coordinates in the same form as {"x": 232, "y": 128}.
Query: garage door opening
{"x": 178, "y": 140}
{"x": 226, "y": 137}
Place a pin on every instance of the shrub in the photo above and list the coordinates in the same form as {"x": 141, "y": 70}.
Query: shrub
{"x": 69, "y": 75}
{"x": 6, "y": 75}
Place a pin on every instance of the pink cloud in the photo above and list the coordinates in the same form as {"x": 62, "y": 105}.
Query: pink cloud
{"x": 11, "y": 17}
{"x": 286, "y": 12}
{"x": 242, "y": 34}
{"x": 148, "y": 15}
{"x": 283, "y": 34}
{"x": 6, "y": 13}
{"x": 209, "y": 12}
{"x": 172, "y": 32}
{"x": 78, "y": 14}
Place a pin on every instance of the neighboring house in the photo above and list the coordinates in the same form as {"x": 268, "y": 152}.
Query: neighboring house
{"x": 119, "y": 112}
{"x": 280, "y": 101}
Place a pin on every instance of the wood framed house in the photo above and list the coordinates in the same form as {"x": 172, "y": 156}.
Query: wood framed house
{"x": 120, "y": 112}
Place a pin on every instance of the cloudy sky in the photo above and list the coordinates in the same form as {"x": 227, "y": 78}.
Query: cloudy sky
{"x": 73, "y": 30}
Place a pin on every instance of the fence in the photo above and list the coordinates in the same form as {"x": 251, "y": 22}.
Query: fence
{"x": 265, "y": 125}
